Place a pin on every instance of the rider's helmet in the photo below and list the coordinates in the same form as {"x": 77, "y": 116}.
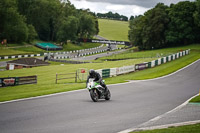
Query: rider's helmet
{"x": 92, "y": 72}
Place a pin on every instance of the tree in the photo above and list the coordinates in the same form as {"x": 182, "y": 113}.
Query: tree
{"x": 181, "y": 27}
{"x": 111, "y": 15}
{"x": 148, "y": 31}
{"x": 156, "y": 24}
{"x": 12, "y": 24}
{"x": 135, "y": 33}
{"x": 68, "y": 29}
{"x": 43, "y": 15}
{"x": 32, "y": 34}
{"x": 87, "y": 27}
{"x": 24, "y": 20}
{"x": 132, "y": 17}
{"x": 197, "y": 13}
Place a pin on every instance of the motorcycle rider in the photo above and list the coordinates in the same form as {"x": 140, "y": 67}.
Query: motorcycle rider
{"x": 97, "y": 78}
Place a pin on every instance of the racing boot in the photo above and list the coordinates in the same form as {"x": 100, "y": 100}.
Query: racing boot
{"x": 106, "y": 90}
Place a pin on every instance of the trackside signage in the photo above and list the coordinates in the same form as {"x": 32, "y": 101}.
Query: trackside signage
{"x": 7, "y": 82}
{"x": 108, "y": 41}
{"x": 12, "y": 81}
{"x": 125, "y": 69}
{"x": 105, "y": 41}
{"x": 141, "y": 66}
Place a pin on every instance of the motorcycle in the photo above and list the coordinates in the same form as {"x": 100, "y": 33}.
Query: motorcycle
{"x": 97, "y": 91}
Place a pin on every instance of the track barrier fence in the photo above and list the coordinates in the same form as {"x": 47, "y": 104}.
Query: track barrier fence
{"x": 13, "y": 81}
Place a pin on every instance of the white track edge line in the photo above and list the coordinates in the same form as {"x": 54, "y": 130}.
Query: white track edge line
{"x": 17, "y": 100}
{"x": 158, "y": 117}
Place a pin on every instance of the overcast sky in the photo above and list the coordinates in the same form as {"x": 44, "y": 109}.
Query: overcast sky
{"x": 123, "y": 7}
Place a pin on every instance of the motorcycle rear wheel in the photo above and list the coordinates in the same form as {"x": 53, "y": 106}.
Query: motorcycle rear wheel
{"x": 94, "y": 95}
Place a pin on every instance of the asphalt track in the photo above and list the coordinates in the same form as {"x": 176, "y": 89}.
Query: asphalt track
{"x": 132, "y": 104}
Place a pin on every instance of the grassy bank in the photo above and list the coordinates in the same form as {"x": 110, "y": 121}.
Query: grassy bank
{"x": 182, "y": 129}
{"x": 113, "y": 30}
{"x": 47, "y": 74}
{"x": 131, "y": 54}
{"x": 158, "y": 71}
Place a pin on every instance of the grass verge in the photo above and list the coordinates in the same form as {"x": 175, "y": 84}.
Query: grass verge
{"x": 182, "y": 129}
{"x": 196, "y": 99}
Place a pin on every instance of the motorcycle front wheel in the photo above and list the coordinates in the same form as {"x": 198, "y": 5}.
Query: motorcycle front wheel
{"x": 94, "y": 95}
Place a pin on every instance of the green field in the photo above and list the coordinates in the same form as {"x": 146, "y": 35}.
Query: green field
{"x": 46, "y": 79}
{"x": 182, "y": 129}
{"x": 113, "y": 30}
{"x": 47, "y": 75}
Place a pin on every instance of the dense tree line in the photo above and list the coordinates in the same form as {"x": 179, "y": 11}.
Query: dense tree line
{"x": 133, "y": 17}
{"x": 48, "y": 20}
{"x": 114, "y": 16}
{"x": 164, "y": 26}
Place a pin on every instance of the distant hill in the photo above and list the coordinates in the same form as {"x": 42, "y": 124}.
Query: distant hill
{"x": 113, "y": 29}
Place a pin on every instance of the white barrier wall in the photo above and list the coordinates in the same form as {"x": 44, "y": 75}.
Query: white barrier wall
{"x": 164, "y": 60}
{"x": 177, "y": 55}
{"x": 159, "y": 61}
{"x": 169, "y": 58}
{"x": 174, "y": 56}
{"x": 125, "y": 69}
{"x": 153, "y": 63}
{"x": 181, "y": 54}
{"x": 113, "y": 72}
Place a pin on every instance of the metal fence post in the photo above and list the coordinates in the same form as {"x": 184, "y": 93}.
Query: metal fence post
{"x": 56, "y": 78}
{"x": 76, "y": 77}
{"x": 36, "y": 78}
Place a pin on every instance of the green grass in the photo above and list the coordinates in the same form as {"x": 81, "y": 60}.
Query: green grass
{"x": 113, "y": 30}
{"x": 47, "y": 74}
{"x": 182, "y": 129}
{"x": 5, "y": 52}
{"x": 196, "y": 99}
{"x": 71, "y": 47}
